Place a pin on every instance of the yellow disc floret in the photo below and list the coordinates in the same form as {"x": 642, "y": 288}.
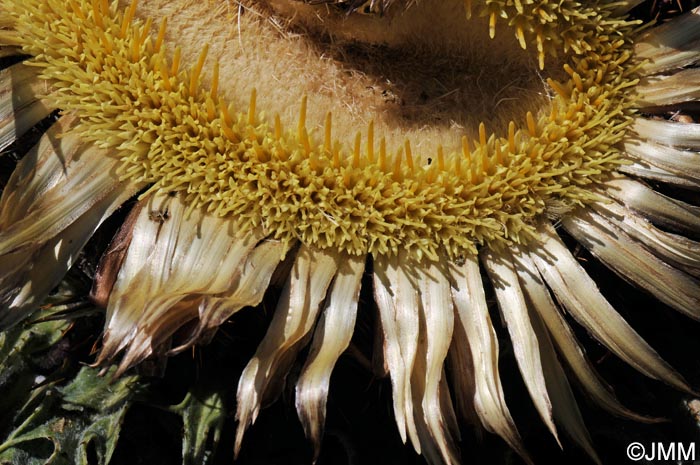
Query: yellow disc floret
{"x": 134, "y": 96}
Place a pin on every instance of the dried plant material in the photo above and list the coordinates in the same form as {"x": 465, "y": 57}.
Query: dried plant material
{"x": 280, "y": 141}
{"x": 20, "y": 105}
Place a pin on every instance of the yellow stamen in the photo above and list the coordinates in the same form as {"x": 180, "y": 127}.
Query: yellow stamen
{"x": 309, "y": 151}
{"x": 301, "y": 126}
{"x": 145, "y": 31}
{"x": 211, "y": 109}
{"x": 278, "y": 127}
{"x": 165, "y": 75}
{"x": 161, "y": 35}
{"x": 226, "y": 115}
{"x": 77, "y": 10}
{"x": 251, "y": 107}
{"x": 106, "y": 42}
{"x": 97, "y": 13}
{"x": 531, "y": 125}
{"x": 128, "y": 16}
{"x": 327, "y": 130}
{"x": 409, "y": 155}
{"x": 226, "y": 125}
{"x": 511, "y": 137}
{"x": 558, "y": 88}
{"x": 397, "y": 165}
{"x": 306, "y": 143}
{"x": 382, "y": 154}
{"x": 135, "y": 52}
{"x": 465, "y": 150}
{"x": 499, "y": 155}
{"x": 521, "y": 37}
{"x": 540, "y": 51}
{"x": 482, "y": 136}
{"x": 370, "y": 142}
{"x": 176, "y": 62}
{"x": 196, "y": 71}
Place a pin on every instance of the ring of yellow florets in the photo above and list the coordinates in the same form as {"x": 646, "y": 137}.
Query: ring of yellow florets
{"x": 171, "y": 132}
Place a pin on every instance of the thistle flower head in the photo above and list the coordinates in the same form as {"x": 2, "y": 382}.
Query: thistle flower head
{"x": 304, "y": 140}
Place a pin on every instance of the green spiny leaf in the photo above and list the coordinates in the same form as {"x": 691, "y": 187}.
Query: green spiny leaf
{"x": 87, "y": 412}
{"x": 203, "y": 416}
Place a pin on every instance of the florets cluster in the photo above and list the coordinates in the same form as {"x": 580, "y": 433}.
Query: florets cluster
{"x": 134, "y": 98}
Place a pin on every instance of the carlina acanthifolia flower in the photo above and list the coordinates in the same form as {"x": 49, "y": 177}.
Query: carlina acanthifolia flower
{"x": 442, "y": 141}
